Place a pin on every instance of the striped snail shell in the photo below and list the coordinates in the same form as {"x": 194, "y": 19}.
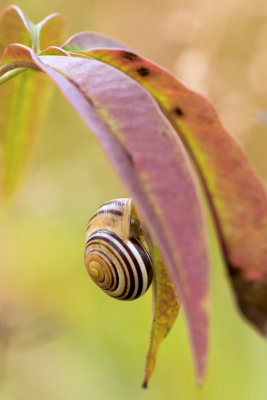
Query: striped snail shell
{"x": 116, "y": 250}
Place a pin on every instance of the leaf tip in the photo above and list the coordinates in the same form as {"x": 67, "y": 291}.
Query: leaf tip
{"x": 200, "y": 375}
{"x": 200, "y": 381}
{"x": 145, "y": 384}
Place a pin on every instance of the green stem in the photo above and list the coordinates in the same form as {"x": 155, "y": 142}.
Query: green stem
{"x": 10, "y": 74}
{"x": 14, "y": 65}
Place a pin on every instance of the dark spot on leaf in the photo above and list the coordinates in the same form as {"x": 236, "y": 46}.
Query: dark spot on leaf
{"x": 90, "y": 101}
{"x": 130, "y": 56}
{"x": 178, "y": 112}
{"x": 143, "y": 71}
{"x": 130, "y": 157}
{"x": 164, "y": 134}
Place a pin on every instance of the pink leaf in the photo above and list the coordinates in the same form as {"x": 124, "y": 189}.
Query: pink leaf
{"x": 152, "y": 162}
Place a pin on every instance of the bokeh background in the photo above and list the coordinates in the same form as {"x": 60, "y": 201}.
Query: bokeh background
{"x": 60, "y": 336}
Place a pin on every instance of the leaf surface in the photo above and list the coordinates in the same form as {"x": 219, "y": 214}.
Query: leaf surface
{"x": 51, "y": 31}
{"x": 152, "y": 162}
{"x": 165, "y": 310}
{"x": 14, "y": 28}
{"x": 23, "y": 104}
{"x": 236, "y": 196}
{"x": 92, "y": 40}
{"x": 24, "y": 99}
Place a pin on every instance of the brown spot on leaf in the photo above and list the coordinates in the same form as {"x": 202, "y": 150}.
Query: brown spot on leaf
{"x": 130, "y": 56}
{"x": 130, "y": 157}
{"x": 178, "y": 111}
{"x": 164, "y": 134}
{"x": 90, "y": 101}
{"x": 143, "y": 71}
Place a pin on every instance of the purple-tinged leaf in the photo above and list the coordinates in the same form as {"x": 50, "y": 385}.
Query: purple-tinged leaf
{"x": 92, "y": 40}
{"x": 152, "y": 162}
{"x": 237, "y": 198}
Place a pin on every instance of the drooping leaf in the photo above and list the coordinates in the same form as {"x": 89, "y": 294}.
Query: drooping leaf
{"x": 153, "y": 164}
{"x": 165, "y": 311}
{"x": 23, "y": 100}
{"x": 19, "y": 125}
{"x": 237, "y": 198}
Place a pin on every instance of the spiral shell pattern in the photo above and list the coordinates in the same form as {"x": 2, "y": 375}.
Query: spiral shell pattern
{"x": 117, "y": 261}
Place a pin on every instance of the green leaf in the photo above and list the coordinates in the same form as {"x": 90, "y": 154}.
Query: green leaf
{"x": 23, "y": 103}
{"x": 23, "y": 100}
{"x": 165, "y": 311}
{"x": 51, "y": 31}
{"x": 14, "y": 28}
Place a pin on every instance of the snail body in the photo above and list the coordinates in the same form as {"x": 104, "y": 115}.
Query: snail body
{"x": 116, "y": 251}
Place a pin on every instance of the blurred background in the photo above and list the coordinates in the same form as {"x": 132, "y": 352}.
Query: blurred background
{"x": 60, "y": 336}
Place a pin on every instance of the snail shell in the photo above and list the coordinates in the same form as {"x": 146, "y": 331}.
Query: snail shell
{"x": 116, "y": 251}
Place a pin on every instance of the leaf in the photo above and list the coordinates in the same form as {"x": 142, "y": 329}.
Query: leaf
{"x": 236, "y": 196}
{"x": 165, "y": 311}
{"x": 51, "y": 31}
{"x": 18, "y": 123}
{"x": 19, "y": 97}
{"x": 151, "y": 161}
{"x": 54, "y": 51}
{"x": 92, "y": 40}
{"x": 14, "y": 28}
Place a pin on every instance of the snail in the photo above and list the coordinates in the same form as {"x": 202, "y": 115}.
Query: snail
{"x": 116, "y": 251}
